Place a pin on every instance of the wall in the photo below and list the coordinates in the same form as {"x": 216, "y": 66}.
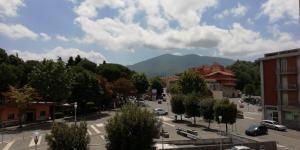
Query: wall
{"x": 270, "y": 82}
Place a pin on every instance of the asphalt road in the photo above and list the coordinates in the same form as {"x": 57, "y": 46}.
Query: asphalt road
{"x": 24, "y": 140}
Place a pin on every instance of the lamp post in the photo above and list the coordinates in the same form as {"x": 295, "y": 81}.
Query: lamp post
{"x": 220, "y": 120}
{"x": 75, "y": 107}
{"x": 36, "y": 139}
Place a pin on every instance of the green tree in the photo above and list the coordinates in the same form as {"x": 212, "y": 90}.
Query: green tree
{"x": 207, "y": 109}
{"x": 3, "y": 56}
{"x": 84, "y": 88}
{"x": 9, "y": 75}
{"x": 174, "y": 89}
{"x": 113, "y": 72}
{"x": 123, "y": 88}
{"x": 52, "y": 81}
{"x": 140, "y": 82}
{"x": 132, "y": 128}
{"x": 65, "y": 137}
{"x": 70, "y": 62}
{"x": 156, "y": 84}
{"x": 192, "y": 106}
{"x": 249, "y": 89}
{"x": 227, "y": 110}
{"x": 88, "y": 65}
{"x": 191, "y": 82}
{"x": 78, "y": 59}
{"x": 21, "y": 98}
{"x": 177, "y": 105}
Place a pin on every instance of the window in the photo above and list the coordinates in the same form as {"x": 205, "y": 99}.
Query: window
{"x": 42, "y": 113}
{"x": 11, "y": 117}
{"x": 288, "y": 115}
{"x": 285, "y": 99}
{"x": 283, "y": 65}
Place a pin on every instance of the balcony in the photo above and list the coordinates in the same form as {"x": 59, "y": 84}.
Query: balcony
{"x": 289, "y": 87}
{"x": 285, "y": 71}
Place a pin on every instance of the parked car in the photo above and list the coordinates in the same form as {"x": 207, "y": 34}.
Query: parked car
{"x": 240, "y": 148}
{"x": 273, "y": 125}
{"x": 165, "y": 134}
{"x": 159, "y": 101}
{"x": 256, "y": 129}
{"x": 240, "y": 114}
{"x": 160, "y": 111}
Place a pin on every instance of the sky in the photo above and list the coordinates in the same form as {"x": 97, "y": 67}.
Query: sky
{"x": 130, "y": 31}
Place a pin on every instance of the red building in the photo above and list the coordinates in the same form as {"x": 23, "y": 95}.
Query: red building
{"x": 280, "y": 80}
{"x": 37, "y": 111}
{"x": 218, "y": 78}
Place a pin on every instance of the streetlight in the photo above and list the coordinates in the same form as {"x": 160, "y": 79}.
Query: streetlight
{"x": 75, "y": 107}
{"x": 35, "y": 135}
{"x": 220, "y": 120}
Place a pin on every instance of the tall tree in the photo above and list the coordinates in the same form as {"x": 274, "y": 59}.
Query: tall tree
{"x": 227, "y": 110}
{"x": 68, "y": 137}
{"x": 21, "y": 98}
{"x": 88, "y": 65}
{"x": 52, "y": 81}
{"x": 191, "y": 82}
{"x": 156, "y": 84}
{"x": 192, "y": 106}
{"x": 3, "y": 56}
{"x": 123, "y": 88}
{"x": 78, "y": 59}
{"x": 177, "y": 104}
{"x": 249, "y": 89}
{"x": 207, "y": 109}
{"x": 140, "y": 82}
{"x": 113, "y": 72}
{"x": 85, "y": 88}
{"x": 9, "y": 75}
{"x": 70, "y": 62}
{"x": 132, "y": 128}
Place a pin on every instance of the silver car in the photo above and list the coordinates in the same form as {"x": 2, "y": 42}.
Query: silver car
{"x": 160, "y": 111}
{"x": 273, "y": 125}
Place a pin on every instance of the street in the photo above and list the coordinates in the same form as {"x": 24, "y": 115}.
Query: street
{"x": 23, "y": 140}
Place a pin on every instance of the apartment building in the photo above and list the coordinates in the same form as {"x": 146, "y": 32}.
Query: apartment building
{"x": 280, "y": 80}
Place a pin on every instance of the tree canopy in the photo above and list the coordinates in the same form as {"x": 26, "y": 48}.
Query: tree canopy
{"x": 177, "y": 104}
{"x": 227, "y": 110}
{"x": 156, "y": 84}
{"x": 207, "y": 109}
{"x": 192, "y": 106}
{"x": 133, "y": 128}
{"x": 141, "y": 82}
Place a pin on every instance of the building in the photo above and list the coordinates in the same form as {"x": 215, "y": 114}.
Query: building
{"x": 37, "y": 111}
{"x": 218, "y": 78}
{"x": 280, "y": 80}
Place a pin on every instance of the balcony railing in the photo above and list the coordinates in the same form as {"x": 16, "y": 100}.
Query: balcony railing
{"x": 289, "y": 87}
{"x": 288, "y": 71}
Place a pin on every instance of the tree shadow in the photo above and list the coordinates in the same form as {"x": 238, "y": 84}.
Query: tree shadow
{"x": 181, "y": 121}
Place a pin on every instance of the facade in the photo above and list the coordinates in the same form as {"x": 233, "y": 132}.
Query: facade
{"x": 37, "y": 111}
{"x": 218, "y": 78}
{"x": 280, "y": 80}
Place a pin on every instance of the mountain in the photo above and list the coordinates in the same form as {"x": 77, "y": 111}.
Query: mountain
{"x": 168, "y": 64}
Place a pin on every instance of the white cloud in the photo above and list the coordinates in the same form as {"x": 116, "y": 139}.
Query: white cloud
{"x": 62, "y": 38}
{"x": 123, "y": 33}
{"x": 72, "y": 1}
{"x": 64, "y": 53}
{"x": 278, "y": 9}
{"x": 239, "y": 10}
{"x": 45, "y": 37}
{"x": 8, "y": 8}
{"x": 17, "y": 31}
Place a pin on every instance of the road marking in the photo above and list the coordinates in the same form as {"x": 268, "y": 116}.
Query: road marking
{"x": 249, "y": 118}
{"x": 9, "y": 145}
{"x": 89, "y": 132}
{"x": 282, "y": 147}
{"x": 102, "y": 136}
{"x": 253, "y": 113}
{"x": 95, "y": 129}
{"x": 172, "y": 125}
{"x": 32, "y": 141}
{"x": 100, "y": 125}
{"x": 40, "y": 140}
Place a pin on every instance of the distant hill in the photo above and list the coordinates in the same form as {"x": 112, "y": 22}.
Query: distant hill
{"x": 168, "y": 64}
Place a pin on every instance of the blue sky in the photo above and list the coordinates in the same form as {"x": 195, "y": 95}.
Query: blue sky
{"x": 129, "y": 31}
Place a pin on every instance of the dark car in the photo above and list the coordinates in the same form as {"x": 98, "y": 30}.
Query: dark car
{"x": 256, "y": 129}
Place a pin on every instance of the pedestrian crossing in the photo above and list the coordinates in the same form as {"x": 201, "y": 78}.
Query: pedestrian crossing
{"x": 17, "y": 143}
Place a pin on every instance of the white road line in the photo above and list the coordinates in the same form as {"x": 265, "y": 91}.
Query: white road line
{"x": 100, "y": 125}
{"x": 38, "y": 143}
{"x": 95, "y": 129}
{"x": 102, "y": 136}
{"x": 172, "y": 125}
{"x": 249, "y": 118}
{"x": 89, "y": 132}
{"x": 253, "y": 113}
{"x": 40, "y": 140}
{"x": 9, "y": 145}
{"x": 31, "y": 142}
